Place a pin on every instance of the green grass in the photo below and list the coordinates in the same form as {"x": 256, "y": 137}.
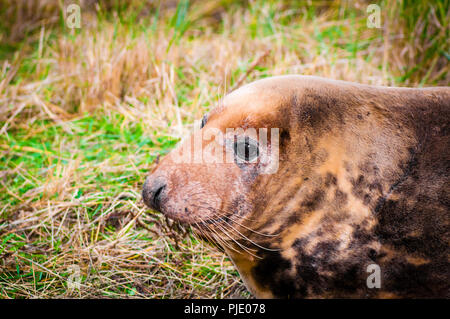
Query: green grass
{"x": 96, "y": 138}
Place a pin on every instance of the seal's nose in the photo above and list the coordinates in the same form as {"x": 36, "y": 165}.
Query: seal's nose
{"x": 153, "y": 192}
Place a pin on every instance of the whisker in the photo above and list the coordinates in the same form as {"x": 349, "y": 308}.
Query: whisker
{"x": 245, "y": 248}
{"x": 213, "y": 234}
{"x": 234, "y": 219}
{"x": 252, "y": 230}
{"x": 251, "y": 241}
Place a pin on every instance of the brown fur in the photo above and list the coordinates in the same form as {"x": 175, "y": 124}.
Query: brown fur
{"x": 363, "y": 178}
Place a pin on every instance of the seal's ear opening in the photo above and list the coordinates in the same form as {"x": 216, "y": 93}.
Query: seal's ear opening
{"x": 204, "y": 120}
{"x": 285, "y": 137}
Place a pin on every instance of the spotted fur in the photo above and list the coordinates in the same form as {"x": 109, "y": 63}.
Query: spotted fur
{"x": 363, "y": 178}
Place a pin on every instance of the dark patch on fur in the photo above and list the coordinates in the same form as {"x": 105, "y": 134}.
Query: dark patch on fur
{"x": 323, "y": 273}
{"x": 313, "y": 200}
{"x": 372, "y": 254}
{"x": 294, "y": 218}
{"x": 361, "y": 236}
{"x": 406, "y": 173}
{"x": 316, "y": 108}
{"x": 285, "y": 137}
{"x": 416, "y": 281}
{"x": 330, "y": 179}
{"x": 366, "y": 189}
{"x": 359, "y": 186}
{"x": 273, "y": 272}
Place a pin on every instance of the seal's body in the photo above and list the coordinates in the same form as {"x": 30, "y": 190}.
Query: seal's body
{"x": 362, "y": 185}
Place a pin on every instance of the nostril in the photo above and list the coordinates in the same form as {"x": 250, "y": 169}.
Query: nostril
{"x": 156, "y": 201}
{"x": 153, "y": 192}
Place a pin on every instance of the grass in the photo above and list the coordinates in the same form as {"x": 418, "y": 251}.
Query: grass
{"x": 85, "y": 112}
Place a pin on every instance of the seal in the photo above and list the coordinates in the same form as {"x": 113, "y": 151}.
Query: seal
{"x": 357, "y": 207}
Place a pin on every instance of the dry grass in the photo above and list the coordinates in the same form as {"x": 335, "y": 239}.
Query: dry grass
{"x": 84, "y": 113}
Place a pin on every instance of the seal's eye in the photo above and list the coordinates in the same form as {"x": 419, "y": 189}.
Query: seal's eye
{"x": 246, "y": 149}
{"x": 204, "y": 120}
